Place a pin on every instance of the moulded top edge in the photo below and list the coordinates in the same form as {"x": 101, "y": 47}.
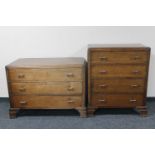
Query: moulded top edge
{"x": 47, "y": 62}
{"x": 117, "y": 46}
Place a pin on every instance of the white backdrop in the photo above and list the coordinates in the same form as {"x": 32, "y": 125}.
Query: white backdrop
{"x": 22, "y": 42}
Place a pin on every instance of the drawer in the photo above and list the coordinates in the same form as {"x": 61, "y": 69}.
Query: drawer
{"x": 51, "y": 102}
{"x": 47, "y": 88}
{"x": 67, "y": 74}
{"x": 106, "y": 57}
{"x": 100, "y": 71}
{"x": 118, "y": 86}
{"x": 117, "y": 100}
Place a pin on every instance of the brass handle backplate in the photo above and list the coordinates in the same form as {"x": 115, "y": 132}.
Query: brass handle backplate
{"x": 103, "y": 72}
{"x": 103, "y": 86}
{"x": 133, "y": 100}
{"x": 136, "y": 71}
{"x": 136, "y": 57}
{"x": 22, "y": 89}
{"x": 70, "y": 101}
{"x": 134, "y": 85}
{"x": 21, "y": 76}
{"x": 102, "y": 100}
{"x": 70, "y": 74}
{"x": 70, "y": 88}
{"x": 103, "y": 58}
{"x": 23, "y": 103}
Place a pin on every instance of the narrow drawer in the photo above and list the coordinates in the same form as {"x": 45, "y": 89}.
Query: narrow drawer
{"x": 118, "y": 86}
{"x": 117, "y": 100}
{"x": 51, "y": 102}
{"x": 43, "y": 88}
{"x": 67, "y": 74}
{"x": 105, "y": 57}
{"x": 100, "y": 71}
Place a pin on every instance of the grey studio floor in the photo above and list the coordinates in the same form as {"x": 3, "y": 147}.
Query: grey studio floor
{"x": 69, "y": 119}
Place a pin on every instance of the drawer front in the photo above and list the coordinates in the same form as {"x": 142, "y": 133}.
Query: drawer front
{"x": 47, "y": 88}
{"x": 46, "y": 101}
{"x": 100, "y": 71}
{"x": 117, "y": 100}
{"x": 118, "y": 86}
{"x": 118, "y": 57}
{"x": 68, "y": 74}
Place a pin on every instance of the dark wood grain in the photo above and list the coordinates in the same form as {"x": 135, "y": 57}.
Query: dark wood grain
{"x": 117, "y": 77}
{"x": 47, "y": 84}
{"x": 46, "y": 88}
{"x": 44, "y": 74}
{"x": 115, "y": 85}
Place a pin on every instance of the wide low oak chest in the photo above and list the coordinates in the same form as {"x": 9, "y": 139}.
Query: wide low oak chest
{"x": 46, "y": 83}
{"x": 117, "y": 77}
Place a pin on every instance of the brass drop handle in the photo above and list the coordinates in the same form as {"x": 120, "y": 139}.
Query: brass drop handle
{"x": 22, "y": 89}
{"x": 103, "y": 72}
{"x": 71, "y": 101}
{"x": 21, "y": 76}
{"x": 70, "y": 74}
{"x": 103, "y": 86}
{"x": 23, "y": 103}
{"x": 133, "y": 100}
{"x": 70, "y": 88}
{"x": 136, "y": 71}
{"x": 136, "y": 57}
{"x": 103, "y": 58}
{"x": 102, "y": 100}
{"x": 134, "y": 85}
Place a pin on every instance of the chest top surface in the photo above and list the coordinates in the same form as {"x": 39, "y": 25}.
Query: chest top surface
{"x": 117, "y": 46}
{"x": 47, "y": 62}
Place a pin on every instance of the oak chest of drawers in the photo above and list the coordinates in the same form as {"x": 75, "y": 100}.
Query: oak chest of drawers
{"x": 117, "y": 77}
{"x": 42, "y": 83}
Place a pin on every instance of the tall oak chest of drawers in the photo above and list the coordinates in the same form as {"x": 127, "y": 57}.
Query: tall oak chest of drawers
{"x": 117, "y": 77}
{"x": 46, "y": 83}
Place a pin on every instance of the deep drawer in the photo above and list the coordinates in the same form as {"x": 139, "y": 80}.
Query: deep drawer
{"x": 118, "y": 86}
{"x": 68, "y": 74}
{"x": 51, "y": 102}
{"x": 47, "y": 88}
{"x": 117, "y": 100}
{"x": 105, "y": 57}
{"x": 100, "y": 71}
